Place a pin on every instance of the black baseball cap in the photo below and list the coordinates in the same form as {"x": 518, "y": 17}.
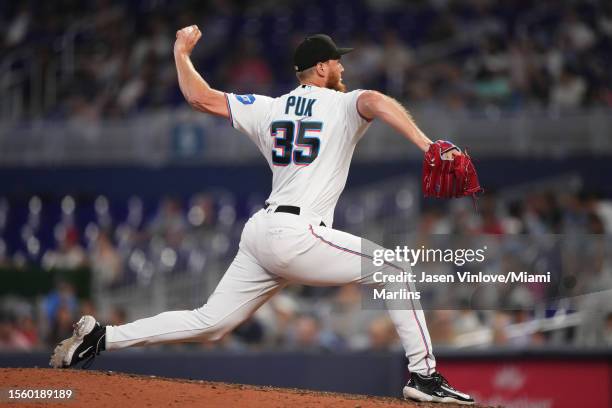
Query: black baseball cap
{"x": 314, "y": 49}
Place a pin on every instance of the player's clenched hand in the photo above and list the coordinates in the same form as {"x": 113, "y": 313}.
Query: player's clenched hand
{"x": 186, "y": 39}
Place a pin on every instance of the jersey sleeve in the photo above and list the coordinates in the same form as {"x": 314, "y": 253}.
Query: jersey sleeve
{"x": 247, "y": 113}
{"x": 356, "y": 122}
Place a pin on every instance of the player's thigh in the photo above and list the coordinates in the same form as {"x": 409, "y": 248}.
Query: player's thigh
{"x": 244, "y": 287}
{"x": 332, "y": 257}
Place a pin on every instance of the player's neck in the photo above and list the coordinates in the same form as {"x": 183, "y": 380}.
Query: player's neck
{"x": 310, "y": 82}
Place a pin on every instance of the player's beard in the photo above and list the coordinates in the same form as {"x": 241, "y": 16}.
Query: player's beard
{"x": 334, "y": 82}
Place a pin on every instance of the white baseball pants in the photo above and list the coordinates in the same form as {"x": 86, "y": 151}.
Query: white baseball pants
{"x": 275, "y": 249}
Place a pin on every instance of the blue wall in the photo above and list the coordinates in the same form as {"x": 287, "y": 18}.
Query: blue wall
{"x": 121, "y": 182}
{"x": 356, "y": 373}
{"x": 351, "y": 372}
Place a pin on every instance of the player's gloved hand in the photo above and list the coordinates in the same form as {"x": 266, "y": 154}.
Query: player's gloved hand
{"x": 448, "y": 172}
{"x": 186, "y": 39}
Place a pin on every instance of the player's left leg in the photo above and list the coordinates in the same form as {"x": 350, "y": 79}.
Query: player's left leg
{"x": 321, "y": 256}
{"x": 330, "y": 257}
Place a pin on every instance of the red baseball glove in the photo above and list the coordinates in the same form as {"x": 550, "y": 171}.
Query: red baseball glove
{"x": 448, "y": 175}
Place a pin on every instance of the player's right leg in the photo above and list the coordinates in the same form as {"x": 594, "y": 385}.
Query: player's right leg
{"x": 244, "y": 288}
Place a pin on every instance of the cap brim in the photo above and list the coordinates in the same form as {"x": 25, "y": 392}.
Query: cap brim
{"x": 342, "y": 51}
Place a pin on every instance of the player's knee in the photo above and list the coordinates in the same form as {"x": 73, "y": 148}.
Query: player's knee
{"x": 215, "y": 336}
{"x": 213, "y": 328}
{"x": 218, "y": 331}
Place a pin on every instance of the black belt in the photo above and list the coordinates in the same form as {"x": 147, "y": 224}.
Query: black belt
{"x": 291, "y": 209}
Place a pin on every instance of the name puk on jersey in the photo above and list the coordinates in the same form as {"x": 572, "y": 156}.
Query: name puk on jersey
{"x": 302, "y": 106}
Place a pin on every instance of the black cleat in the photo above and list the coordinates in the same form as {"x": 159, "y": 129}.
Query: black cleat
{"x": 434, "y": 388}
{"x": 87, "y": 341}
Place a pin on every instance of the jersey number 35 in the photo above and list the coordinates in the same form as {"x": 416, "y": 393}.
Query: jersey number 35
{"x": 296, "y": 142}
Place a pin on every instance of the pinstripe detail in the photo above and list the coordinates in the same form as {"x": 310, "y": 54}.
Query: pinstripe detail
{"x": 229, "y": 110}
{"x": 346, "y": 249}
{"x": 359, "y": 112}
{"x": 422, "y": 338}
{"x": 393, "y": 266}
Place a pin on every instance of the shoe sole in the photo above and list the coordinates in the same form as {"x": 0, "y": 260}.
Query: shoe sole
{"x": 62, "y": 354}
{"x": 414, "y": 394}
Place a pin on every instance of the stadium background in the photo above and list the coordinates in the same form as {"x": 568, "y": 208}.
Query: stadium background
{"x": 117, "y": 199}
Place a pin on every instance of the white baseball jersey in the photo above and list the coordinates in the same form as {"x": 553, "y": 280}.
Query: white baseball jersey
{"x": 308, "y": 137}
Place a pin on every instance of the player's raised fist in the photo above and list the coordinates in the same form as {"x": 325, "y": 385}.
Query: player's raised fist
{"x": 186, "y": 39}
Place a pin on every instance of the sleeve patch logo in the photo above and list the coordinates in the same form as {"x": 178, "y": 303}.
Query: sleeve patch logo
{"x": 246, "y": 99}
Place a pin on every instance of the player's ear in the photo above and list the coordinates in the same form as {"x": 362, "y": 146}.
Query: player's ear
{"x": 321, "y": 68}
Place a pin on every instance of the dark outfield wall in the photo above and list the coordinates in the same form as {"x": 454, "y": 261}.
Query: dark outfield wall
{"x": 372, "y": 374}
{"x": 121, "y": 182}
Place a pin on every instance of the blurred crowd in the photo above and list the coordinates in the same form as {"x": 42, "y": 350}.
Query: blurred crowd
{"x": 40, "y": 324}
{"x": 109, "y": 58}
{"x": 545, "y": 212}
{"x": 291, "y": 322}
{"x": 124, "y": 246}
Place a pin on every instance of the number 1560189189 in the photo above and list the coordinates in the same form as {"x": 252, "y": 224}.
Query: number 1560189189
{"x": 35, "y": 394}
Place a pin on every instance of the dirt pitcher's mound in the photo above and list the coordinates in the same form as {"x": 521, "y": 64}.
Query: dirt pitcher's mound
{"x": 93, "y": 389}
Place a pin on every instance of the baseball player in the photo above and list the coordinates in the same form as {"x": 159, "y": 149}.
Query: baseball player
{"x": 307, "y": 137}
